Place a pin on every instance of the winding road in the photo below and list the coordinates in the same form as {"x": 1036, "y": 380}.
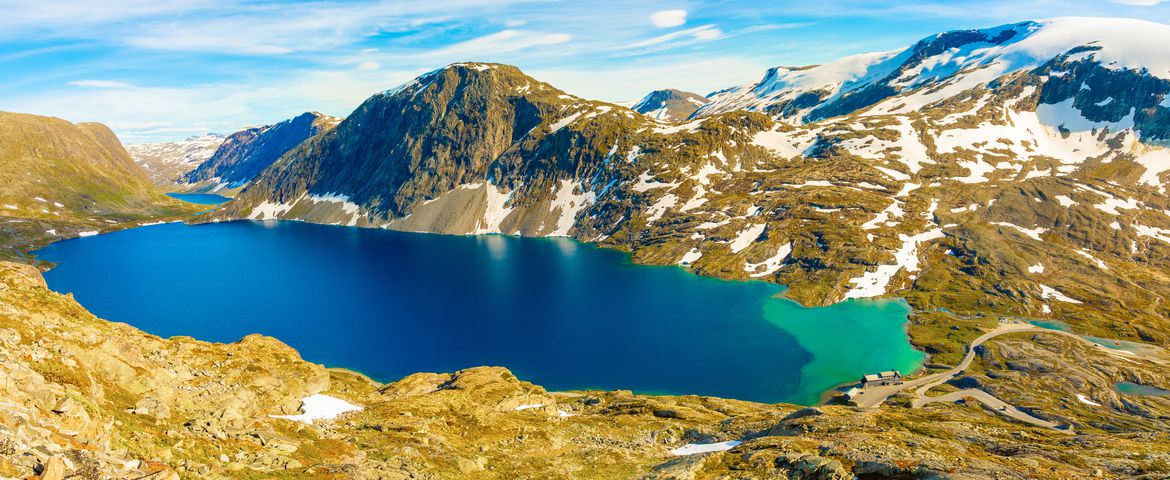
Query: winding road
{"x": 872, "y": 397}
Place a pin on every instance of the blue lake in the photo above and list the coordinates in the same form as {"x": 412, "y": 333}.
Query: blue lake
{"x": 557, "y": 312}
{"x": 200, "y": 198}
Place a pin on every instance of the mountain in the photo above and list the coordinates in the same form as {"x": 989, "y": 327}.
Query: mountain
{"x": 165, "y": 162}
{"x": 59, "y": 179}
{"x": 449, "y": 131}
{"x": 947, "y": 64}
{"x": 244, "y": 154}
{"x": 975, "y": 187}
{"x": 670, "y": 105}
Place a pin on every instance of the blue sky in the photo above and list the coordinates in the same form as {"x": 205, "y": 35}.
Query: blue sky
{"x": 167, "y": 69}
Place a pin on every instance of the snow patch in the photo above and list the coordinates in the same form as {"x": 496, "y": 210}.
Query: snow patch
{"x": 495, "y": 211}
{"x": 873, "y": 284}
{"x": 563, "y": 122}
{"x": 770, "y": 265}
{"x": 1093, "y": 259}
{"x": 271, "y": 210}
{"x": 691, "y": 257}
{"x": 1112, "y": 204}
{"x": 664, "y": 203}
{"x": 347, "y": 206}
{"x": 1047, "y": 293}
{"x": 320, "y": 407}
{"x": 782, "y": 143}
{"x": 569, "y": 205}
{"x": 1152, "y": 232}
{"x": 1033, "y": 233}
{"x": 746, "y": 236}
{"x": 695, "y": 448}
{"x": 1087, "y": 401}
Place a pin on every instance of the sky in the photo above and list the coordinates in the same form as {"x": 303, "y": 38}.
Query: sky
{"x": 160, "y": 70}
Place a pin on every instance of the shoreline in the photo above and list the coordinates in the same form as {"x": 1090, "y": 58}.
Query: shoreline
{"x": 822, "y": 396}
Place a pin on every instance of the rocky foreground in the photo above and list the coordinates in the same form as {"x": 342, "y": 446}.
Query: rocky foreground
{"x": 82, "y": 397}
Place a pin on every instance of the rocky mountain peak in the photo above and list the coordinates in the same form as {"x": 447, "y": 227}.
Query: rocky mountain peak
{"x": 670, "y": 104}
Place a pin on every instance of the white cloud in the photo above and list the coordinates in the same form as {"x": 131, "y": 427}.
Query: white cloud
{"x": 707, "y": 34}
{"x": 1139, "y": 3}
{"x": 228, "y": 26}
{"x": 100, "y": 84}
{"x": 672, "y": 40}
{"x": 499, "y": 42}
{"x": 368, "y": 65}
{"x": 668, "y": 18}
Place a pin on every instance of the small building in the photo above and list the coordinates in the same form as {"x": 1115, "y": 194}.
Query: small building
{"x": 889, "y": 377}
{"x": 852, "y": 393}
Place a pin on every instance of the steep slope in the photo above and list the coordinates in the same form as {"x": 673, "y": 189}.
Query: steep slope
{"x": 58, "y": 179}
{"x": 244, "y": 154}
{"x": 165, "y": 162}
{"x": 670, "y": 105}
{"x": 460, "y": 133}
{"x": 1039, "y": 194}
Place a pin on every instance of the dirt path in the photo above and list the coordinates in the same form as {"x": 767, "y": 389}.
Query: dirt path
{"x": 872, "y": 397}
{"x": 999, "y": 406}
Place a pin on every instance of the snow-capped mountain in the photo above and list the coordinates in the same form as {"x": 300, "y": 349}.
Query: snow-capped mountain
{"x": 947, "y": 64}
{"x": 166, "y": 161}
{"x": 1020, "y": 169}
{"x": 246, "y": 153}
{"x": 670, "y": 105}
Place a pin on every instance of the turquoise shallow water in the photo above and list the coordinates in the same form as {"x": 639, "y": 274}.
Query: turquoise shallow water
{"x": 1052, "y": 325}
{"x": 200, "y": 198}
{"x": 557, "y": 312}
{"x": 1131, "y": 388}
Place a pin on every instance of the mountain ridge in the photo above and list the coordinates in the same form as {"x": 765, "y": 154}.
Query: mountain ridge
{"x": 242, "y": 155}
{"x": 59, "y": 180}
{"x": 863, "y": 80}
{"x": 898, "y": 198}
